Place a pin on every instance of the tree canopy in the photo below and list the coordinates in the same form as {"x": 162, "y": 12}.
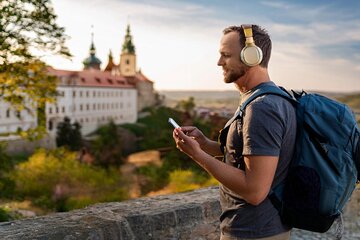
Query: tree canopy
{"x": 69, "y": 134}
{"x": 28, "y": 31}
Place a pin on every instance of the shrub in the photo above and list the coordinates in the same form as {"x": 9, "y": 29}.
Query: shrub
{"x": 57, "y": 180}
{"x": 186, "y": 180}
{"x": 4, "y": 215}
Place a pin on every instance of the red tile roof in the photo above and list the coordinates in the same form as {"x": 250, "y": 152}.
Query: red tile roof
{"x": 94, "y": 78}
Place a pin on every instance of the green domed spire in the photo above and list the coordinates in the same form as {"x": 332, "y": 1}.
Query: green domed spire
{"x": 92, "y": 61}
{"x": 128, "y": 46}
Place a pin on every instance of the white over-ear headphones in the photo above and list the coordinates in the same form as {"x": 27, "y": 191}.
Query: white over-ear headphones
{"x": 251, "y": 55}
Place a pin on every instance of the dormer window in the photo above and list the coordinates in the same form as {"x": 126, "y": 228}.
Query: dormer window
{"x": 110, "y": 81}
{"x": 83, "y": 80}
{"x": 98, "y": 80}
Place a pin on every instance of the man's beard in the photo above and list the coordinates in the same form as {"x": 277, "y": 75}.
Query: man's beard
{"x": 231, "y": 76}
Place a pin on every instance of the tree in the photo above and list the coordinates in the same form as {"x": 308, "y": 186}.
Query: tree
{"x": 186, "y": 105}
{"x": 6, "y": 165}
{"x": 26, "y": 27}
{"x": 107, "y": 147}
{"x": 69, "y": 134}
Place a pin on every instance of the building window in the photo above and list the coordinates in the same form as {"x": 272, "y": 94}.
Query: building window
{"x": 50, "y": 125}
{"x": 63, "y": 109}
{"x": 80, "y": 93}
{"x": 57, "y": 109}
{"x": 87, "y": 106}
{"x": 8, "y": 113}
{"x": 74, "y": 93}
{"x": 81, "y": 107}
{"x": 87, "y": 93}
{"x": 127, "y": 61}
{"x": 94, "y": 94}
{"x": 50, "y": 110}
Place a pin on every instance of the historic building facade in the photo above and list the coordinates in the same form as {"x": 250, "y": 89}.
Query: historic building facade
{"x": 92, "y": 97}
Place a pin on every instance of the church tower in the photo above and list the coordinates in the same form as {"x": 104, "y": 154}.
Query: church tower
{"x": 111, "y": 65}
{"x": 128, "y": 56}
{"x": 92, "y": 61}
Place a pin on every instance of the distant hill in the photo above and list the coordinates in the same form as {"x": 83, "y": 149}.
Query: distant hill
{"x": 211, "y": 99}
{"x": 230, "y": 99}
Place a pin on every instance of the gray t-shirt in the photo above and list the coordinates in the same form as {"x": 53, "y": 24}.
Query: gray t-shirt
{"x": 268, "y": 128}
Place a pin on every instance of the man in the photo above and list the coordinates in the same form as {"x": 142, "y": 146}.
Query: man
{"x": 258, "y": 146}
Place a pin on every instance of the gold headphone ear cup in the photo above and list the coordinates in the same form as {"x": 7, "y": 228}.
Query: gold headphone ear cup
{"x": 251, "y": 55}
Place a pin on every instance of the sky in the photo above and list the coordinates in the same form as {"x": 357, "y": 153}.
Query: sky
{"x": 316, "y": 44}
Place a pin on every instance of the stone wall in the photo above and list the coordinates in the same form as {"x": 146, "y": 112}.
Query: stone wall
{"x": 192, "y": 215}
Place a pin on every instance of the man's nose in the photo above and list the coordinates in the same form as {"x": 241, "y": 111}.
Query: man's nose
{"x": 220, "y": 62}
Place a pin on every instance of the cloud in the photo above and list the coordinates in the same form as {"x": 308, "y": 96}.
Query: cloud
{"x": 278, "y": 5}
{"x": 177, "y": 41}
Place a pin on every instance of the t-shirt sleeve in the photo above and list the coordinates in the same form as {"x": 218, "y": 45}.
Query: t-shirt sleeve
{"x": 263, "y": 129}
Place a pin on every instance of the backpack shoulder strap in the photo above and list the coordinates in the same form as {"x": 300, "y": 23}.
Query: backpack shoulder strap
{"x": 279, "y": 91}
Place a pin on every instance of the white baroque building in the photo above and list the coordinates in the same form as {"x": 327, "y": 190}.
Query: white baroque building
{"x": 12, "y": 120}
{"x": 91, "y": 97}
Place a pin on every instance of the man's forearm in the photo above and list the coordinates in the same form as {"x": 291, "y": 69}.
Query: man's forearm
{"x": 211, "y": 147}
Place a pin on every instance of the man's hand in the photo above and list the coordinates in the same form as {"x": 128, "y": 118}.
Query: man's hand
{"x": 207, "y": 145}
{"x": 187, "y": 143}
{"x": 195, "y": 133}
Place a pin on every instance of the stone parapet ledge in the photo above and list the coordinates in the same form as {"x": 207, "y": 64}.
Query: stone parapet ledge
{"x": 190, "y": 215}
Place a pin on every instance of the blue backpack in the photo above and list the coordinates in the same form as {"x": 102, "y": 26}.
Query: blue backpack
{"x": 326, "y": 164}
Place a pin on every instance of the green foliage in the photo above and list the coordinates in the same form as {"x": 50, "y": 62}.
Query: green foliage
{"x": 183, "y": 180}
{"x": 157, "y": 132}
{"x": 159, "y": 177}
{"x": 26, "y": 25}
{"x": 154, "y": 130}
{"x": 6, "y": 165}
{"x": 69, "y": 135}
{"x": 57, "y": 180}
{"x": 4, "y": 215}
{"x": 24, "y": 81}
{"x": 186, "y": 105}
{"x": 156, "y": 178}
{"x": 187, "y": 180}
{"x": 107, "y": 146}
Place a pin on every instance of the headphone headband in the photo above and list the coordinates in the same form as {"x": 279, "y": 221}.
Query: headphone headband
{"x": 248, "y": 34}
{"x": 251, "y": 55}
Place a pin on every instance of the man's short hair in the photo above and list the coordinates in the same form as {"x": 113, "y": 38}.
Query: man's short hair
{"x": 261, "y": 38}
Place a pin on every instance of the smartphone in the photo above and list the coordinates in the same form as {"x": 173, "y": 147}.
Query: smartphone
{"x": 172, "y": 122}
